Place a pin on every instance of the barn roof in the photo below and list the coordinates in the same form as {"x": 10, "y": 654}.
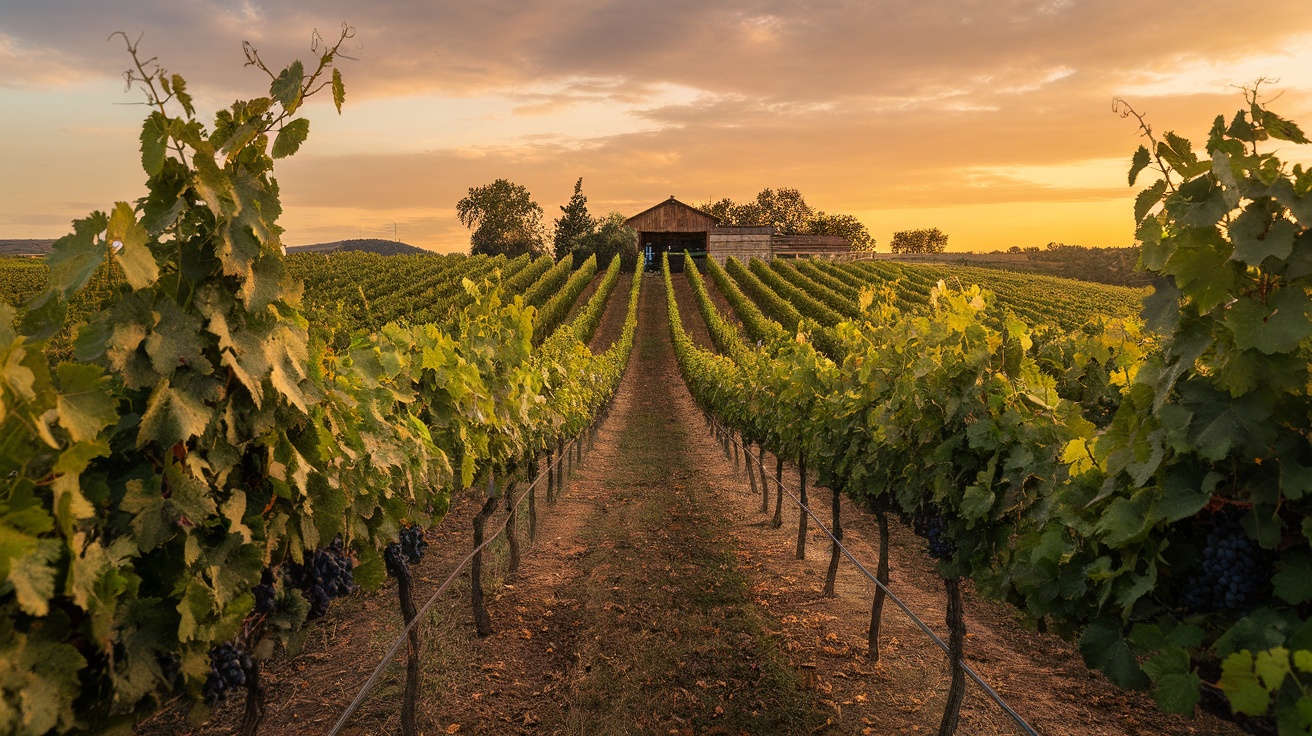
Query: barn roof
{"x": 673, "y": 216}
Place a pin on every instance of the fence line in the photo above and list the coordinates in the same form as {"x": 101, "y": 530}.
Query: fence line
{"x": 992, "y": 694}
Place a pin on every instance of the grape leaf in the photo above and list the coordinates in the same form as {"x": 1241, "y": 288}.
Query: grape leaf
{"x": 1147, "y": 199}
{"x": 1140, "y": 162}
{"x": 128, "y": 239}
{"x": 1257, "y": 236}
{"x": 1274, "y": 328}
{"x": 1241, "y": 685}
{"x": 1178, "y": 686}
{"x": 1282, "y": 129}
{"x": 289, "y": 139}
{"x": 1105, "y": 649}
{"x": 171, "y": 416}
{"x": 74, "y": 257}
{"x": 84, "y": 403}
{"x": 1293, "y": 583}
{"x": 339, "y": 90}
{"x": 286, "y": 87}
{"x": 154, "y": 143}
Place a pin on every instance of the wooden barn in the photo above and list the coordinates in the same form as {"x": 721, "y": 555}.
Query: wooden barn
{"x": 687, "y": 232}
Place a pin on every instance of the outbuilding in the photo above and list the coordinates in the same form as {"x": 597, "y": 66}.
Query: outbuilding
{"x": 684, "y": 231}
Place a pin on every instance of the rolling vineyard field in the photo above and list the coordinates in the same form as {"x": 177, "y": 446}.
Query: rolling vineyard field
{"x": 208, "y": 442}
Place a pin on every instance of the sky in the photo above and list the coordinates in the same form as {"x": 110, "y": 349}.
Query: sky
{"x": 989, "y": 119}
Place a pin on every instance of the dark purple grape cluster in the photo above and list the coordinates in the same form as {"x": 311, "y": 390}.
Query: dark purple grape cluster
{"x": 327, "y": 575}
{"x": 1230, "y": 574}
{"x": 228, "y": 668}
{"x": 264, "y": 592}
{"x": 413, "y": 543}
{"x": 399, "y": 556}
{"x": 934, "y": 528}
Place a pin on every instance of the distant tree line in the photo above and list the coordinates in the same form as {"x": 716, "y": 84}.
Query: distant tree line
{"x": 1116, "y": 266}
{"x": 505, "y": 220}
{"x": 787, "y": 212}
{"x": 924, "y": 240}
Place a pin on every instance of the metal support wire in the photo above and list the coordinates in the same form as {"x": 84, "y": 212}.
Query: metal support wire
{"x": 993, "y": 695}
{"x": 419, "y": 617}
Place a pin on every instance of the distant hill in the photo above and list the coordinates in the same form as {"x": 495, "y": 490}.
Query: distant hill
{"x": 372, "y": 245}
{"x": 25, "y": 247}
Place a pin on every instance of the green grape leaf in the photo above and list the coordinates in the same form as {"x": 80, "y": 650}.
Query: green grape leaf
{"x": 154, "y": 143}
{"x": 171, "y": 416}
{"x": 33, "y": 577}
{"x": 289, "y": 139}
{"x": 84, "y": 403}
{"x": 1202, "y": 273}
{"x": 1257, "y": 236}
{"x": 977, "y": 502}
{"x": 74, "y": 257}
{"x": 180, "y": 90}
{"x": 128, "y": 240}
{"x": 175, "y": 341}
{"x": 286, "y": 87}
{"x": 1293, "y": 583}
{"x": 1241, "y": 686}
{"x": 1148, "y": 198}
{"x": 1140, "y": 162}
{"x": 339, "y": 90}
{"x": 1274, "y": 328}
{"x": 1105, "y": 649}
{"x": 1161, "y": 309}
{"x": 1178, "y": 686}
{"x": 1272, "y": 667}
{"x": 1295, "y": 480}
{"x": 1279, "y": 128}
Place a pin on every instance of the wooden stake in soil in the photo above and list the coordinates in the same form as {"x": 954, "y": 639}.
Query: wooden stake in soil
{"x": 832, "y": 575}
{"x": 956, "y": 645}
{"x": 532, "y": 497}
{"x": 482, "y": 622}
{"x": 765, "y": 487}
{"x": 512, "y": 528}
{"x": 877, "y": 608}
{"x": 410, "y": 700}
{"x": 747, "y": 463}
{"x": 778, "y": 520}
{"x": 734, "y": 445}
{"x": 551, "y": 478}
{"x": 560, "y": 467}
{"x": 254, "y": 713}
{"x": 801, "y": 512}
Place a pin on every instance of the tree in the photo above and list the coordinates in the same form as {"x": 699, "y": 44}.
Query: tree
{"x": 924, "y": 240}
{"x": 504, "y": 218}
{"x": 858, "y": 237}
{"x": 609, "y": 239}
{"x": 786, "y": 210}
{"x": 574, "y": 222}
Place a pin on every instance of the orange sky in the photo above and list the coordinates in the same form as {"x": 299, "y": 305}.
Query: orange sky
{"x": 990, "y": 119}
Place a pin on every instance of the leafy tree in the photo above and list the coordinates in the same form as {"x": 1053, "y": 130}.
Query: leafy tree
{"x": 574, "y": 222}
{"x": 858, "y": 237}
{"x": 610, "y": 238}
{"x": 504, "y": 218}
{"x": 924, "y": 240}
{"x": 786, "y": 210}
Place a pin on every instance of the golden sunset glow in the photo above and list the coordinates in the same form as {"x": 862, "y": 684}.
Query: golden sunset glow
{"x": 990, "y": 120}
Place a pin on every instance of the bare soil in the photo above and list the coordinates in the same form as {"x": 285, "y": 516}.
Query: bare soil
{"x": 657, "y": 599}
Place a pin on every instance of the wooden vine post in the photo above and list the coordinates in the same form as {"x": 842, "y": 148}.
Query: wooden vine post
{"x": 765, "y": 486}
{"x": 551, "y": 477}
{"x": 831, "y": 576}
{"x": 482, "y": 621}
{"x": 747, "y": 465}
{"x": 801, "y": 511}
{"x": 532, "y": 497}
{"x": 778, "y": 520}
{"x": 410, "y": 700}
{"x": 956, "y": 645}
{"x": 512, "y": 527}
{"x": 254, "y": 713}
{"x": 881, "y": 574}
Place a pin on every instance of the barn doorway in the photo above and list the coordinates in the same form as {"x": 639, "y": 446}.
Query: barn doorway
{"x": 680, "y": 246}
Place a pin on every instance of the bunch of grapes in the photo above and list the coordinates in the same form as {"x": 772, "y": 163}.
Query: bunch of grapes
{"x": 228, "y": 668}
{"x": 399, "y": 556}
{"x": 326, "y": 576}
{"x": 413, "y": 543}
{"x": 934, "y": 528}
{"x": 264, "y": 592}
{"x": 1230, "y": 574}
